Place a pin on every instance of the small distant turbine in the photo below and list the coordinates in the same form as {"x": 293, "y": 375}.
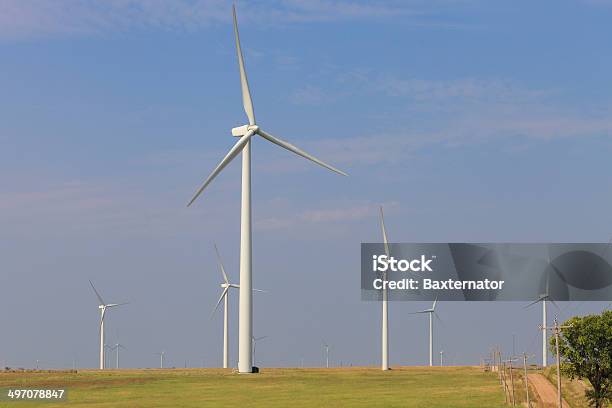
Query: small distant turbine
{"x": 116, "y": 348}
{"x": 441, "y": 358}
{"x": 326, "y": 354}
{"x": 226, "y": 285}
{"x": 431, "y": 312}
{"x": 103, "y": 306}
{"x": 254, "y": 341}
{"x": 243, "y": 146}
{"x": 161, "y": 358}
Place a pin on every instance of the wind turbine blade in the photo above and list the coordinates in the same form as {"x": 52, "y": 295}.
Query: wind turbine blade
{"x": 553, "y": 302}
{"x": 118, "y": 304}
{"x": 384, "y": 231}
{"x": 97, "y": 294}
{"x": 260, "y": 338}
{"x": 297, "y": 151}
{"x": 534, "y": 302}
{"x": 244, "y": 83}
{"x": 219, "y": 302}
{"x": 259, "y": 290}
{"x": 434, "y": 304}
{"x": 221, "y": 265}
{"x": 438, "y": 317}
{"x": 102, "y": 316}
{"x": 228, "y": 158}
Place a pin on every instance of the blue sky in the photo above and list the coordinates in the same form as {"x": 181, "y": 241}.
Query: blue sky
{"x": 468, "y": 120}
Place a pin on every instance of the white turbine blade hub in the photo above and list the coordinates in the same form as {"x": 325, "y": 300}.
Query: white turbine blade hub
{"x": 228, "y": 158}
{"x": 297, "y": 151}
{"x": 244, "y": 83}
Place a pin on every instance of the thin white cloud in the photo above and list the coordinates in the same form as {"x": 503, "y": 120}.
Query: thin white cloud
{"x": 41, "y": 18}
{"x": 345, "y": 213}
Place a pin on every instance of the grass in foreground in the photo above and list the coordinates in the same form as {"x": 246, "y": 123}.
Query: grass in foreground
{"x": 273, "y": 387}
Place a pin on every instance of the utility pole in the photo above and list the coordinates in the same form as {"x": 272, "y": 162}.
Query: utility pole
{"x": 512, "y": 380}
{"x": 499, "y": 367}
{"x": 503, "y": 367}
{"x": 556, "y": 329}
{"x": 526, "y": 379}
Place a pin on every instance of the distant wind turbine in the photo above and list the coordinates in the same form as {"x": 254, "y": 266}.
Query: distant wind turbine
{"x": 116, "y": 348}
{"x": 431, "y": 312}
{"x": 255, "y": 340}
{"x": 103, "y": 306}
{"x": 243, "y": 145}
{"x": 226, "y": 285}
{"x": 544, "y": 297}
{"x": 385, "y": 301}
{"x": 326, "y": 354}
{"x": 161, "y": 358}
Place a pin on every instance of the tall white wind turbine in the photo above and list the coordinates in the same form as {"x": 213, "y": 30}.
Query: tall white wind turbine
{"x": 431, "y": 311}
{"x": 103, "y": 306}
{"x": 385, "y": 301}
{"x": 226, "y": 286}
{"x": 245, "y": 133}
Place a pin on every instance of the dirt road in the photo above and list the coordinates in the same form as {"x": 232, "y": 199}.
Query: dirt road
{"x": 547, "y": 393}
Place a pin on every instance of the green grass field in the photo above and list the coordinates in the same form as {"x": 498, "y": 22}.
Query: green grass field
{"x": 273, "y": 387}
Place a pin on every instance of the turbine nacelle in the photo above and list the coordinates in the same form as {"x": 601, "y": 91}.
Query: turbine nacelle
{"x": 243, "y": 130}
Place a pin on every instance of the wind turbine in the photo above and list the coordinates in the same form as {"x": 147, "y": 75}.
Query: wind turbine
{"x": 441, "y": 358}
{"x": 245, "y": 133}
{"x": 431, "y": 311}
{"x": 116, "y": 347}
{"x": 161, "y": 358}
{"x": 255, "y": 340}
{"x": 544, "y": 297}
{"x": 385, "y": 307}
{"x": 326, "y": 354}
{"x": 107, "y": 347}
{"x": 226, "y": 285}
{"x": 103, "y": 306}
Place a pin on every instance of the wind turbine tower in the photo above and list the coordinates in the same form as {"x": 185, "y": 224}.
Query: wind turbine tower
{"x": 544, "y": 298}
{"x": 385, "y": 302}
